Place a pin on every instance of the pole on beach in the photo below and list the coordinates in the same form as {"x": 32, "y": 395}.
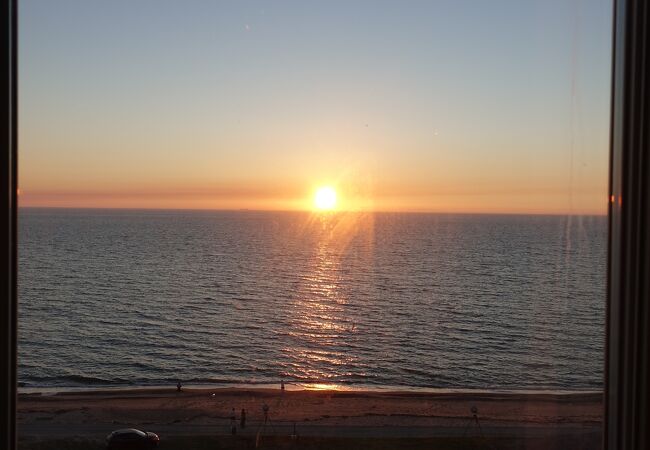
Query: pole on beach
{"x": 473, "y": 420}
{"x": 267, "y": 420}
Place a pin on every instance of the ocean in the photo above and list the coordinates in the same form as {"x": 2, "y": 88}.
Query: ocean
{"x": 145, "y": 298}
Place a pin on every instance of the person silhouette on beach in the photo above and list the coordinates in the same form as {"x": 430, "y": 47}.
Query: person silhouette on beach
{"x": 178, "y": 386}
{"x": 282, "y": 385}
{"x": 242, "y": 419}
{"x": 233, "y": 423}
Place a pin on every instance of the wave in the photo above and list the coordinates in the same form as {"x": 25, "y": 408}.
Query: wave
{"x": 74, "y": 379}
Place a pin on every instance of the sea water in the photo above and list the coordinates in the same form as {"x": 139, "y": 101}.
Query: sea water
{"x": 137, "y": 297}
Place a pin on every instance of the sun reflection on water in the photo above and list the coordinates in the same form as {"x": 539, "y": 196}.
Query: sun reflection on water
{"x": 325, "y": 387}
{"x": 319, "y": 328}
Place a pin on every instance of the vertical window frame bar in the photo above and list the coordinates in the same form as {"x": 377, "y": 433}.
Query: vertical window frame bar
{"x": 627, "y": 357}
{"x": 8, "y": 206}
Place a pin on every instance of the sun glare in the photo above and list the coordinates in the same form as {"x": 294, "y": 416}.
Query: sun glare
{"x": 325, "y": 198}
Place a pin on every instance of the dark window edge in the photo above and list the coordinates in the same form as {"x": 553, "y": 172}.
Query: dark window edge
{"x": 8, "y": 198}
{"x": 628, "y": 313}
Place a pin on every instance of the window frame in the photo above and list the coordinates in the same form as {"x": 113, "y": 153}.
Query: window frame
{"x": 627, "y": 350}
{"x": 8, "y": 213}
{"x": 627, "y": 355}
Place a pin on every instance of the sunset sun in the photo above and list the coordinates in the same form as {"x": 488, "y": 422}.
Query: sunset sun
{"x": 325, "y": 198}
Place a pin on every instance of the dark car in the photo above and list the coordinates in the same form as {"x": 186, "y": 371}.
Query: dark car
{"x": 132, "y": 439}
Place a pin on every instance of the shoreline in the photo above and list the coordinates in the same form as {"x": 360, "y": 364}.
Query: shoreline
{"x": 297, "y": 387}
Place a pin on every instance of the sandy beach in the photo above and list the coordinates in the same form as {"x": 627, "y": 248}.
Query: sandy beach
{"x": 513, "y": 420}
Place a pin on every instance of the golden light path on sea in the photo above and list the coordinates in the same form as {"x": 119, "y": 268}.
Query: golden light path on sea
{"x": 319, "y": 325}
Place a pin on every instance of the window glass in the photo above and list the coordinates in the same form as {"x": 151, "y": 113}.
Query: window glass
{"x": 313, "y": 224}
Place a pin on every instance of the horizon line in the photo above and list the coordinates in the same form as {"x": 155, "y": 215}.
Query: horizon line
{"x": 476, "y": 213}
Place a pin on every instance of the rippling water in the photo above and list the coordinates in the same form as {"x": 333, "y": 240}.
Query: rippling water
{"x": 420, "y": 300}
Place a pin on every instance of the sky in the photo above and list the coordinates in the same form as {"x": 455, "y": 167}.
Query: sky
{"x": 444, "y": 106}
